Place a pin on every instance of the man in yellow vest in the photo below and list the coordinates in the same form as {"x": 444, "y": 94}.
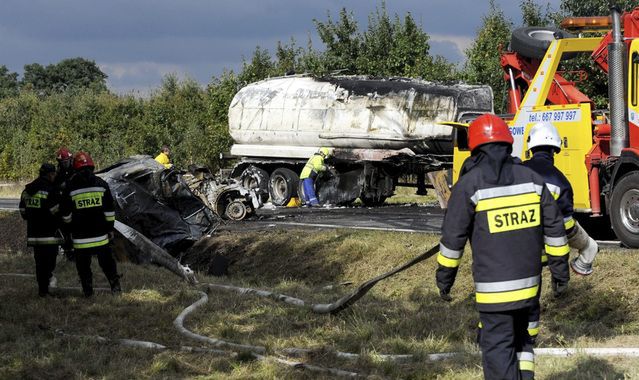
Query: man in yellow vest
{"x": 163, "y": 157}
{"x": 313, "y": 167}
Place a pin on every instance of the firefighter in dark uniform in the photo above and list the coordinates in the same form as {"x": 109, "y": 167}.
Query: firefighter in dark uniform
{"x": 544, "y": 142}
{"x": 65, "y": 167}
{"x": 39, "y": 206}
{"x": 63, "y": 174}
{"x": 509, "y": 216}
{"x": 87, "y": 210}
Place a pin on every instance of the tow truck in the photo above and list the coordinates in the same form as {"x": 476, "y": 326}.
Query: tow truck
{"x": 600, "y": 148}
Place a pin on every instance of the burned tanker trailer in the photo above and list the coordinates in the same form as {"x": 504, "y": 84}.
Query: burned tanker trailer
{"x": 378, "y": 129}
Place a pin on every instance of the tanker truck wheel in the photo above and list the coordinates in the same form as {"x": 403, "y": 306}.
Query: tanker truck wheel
{"x": 282, "y": 186}
{"x": 257, "y": 179}
{"x": 624, "y": 209}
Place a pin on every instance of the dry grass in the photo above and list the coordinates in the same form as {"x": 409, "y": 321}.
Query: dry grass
{"x": 11, "y": 190}
{"x": 402, "y": 315}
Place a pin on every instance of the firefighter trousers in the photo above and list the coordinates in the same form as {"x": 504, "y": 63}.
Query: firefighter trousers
{"x": 534, "y": 315}
{"x": 83, "y": 265}
{"x": 45, "y": 259}
{"x": 505, "y": 345}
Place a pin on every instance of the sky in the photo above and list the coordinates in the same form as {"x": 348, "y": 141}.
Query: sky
{"x": 137, "y": 42}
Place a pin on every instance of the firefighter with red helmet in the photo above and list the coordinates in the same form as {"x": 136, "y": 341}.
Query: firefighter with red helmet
{"x": 88, "y": 212}
{"x": 498, "y": 204}
{"x": 65, "y": 166}
{"x": 39, "y": 206}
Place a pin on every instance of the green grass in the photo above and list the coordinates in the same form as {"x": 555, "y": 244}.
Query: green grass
{"x": 402, "y": 315}
{"x": 407, "y": 195}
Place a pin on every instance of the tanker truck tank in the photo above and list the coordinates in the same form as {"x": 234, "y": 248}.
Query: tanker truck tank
{"x": 379, "y": 129}
{"x": 352, "y": 112}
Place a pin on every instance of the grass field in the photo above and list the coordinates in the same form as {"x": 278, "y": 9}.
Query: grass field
{"x": 402, "y": 315}
{"x": 407, "y": 195}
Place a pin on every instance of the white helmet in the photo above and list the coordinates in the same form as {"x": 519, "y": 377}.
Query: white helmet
{"x": 544, "y": 134}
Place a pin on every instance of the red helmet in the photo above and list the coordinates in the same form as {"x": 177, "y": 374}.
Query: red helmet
{"x": 63, "y": 154}
{"x": 488, "y": 128}
{"x": 82, "y": 160}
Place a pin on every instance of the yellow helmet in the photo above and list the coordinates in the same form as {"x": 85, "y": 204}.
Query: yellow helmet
{"x": 324, "y": 152}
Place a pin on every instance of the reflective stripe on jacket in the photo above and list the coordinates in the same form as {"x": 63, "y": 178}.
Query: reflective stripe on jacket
{"x": 313, "y": 167}
{"x": 87, "y": 208}
{"x": 508, "y": 225}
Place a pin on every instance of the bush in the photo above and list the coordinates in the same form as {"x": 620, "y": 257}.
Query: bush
{"x": 110, "y": 126}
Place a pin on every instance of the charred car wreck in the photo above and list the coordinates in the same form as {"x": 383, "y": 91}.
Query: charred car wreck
{"x": 162, "y": 212}
{"x": 378, "y": 129}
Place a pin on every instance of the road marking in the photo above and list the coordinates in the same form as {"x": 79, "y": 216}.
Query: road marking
{"x": 354, "y": 227}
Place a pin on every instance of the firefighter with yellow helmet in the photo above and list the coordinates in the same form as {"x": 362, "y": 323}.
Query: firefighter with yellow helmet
{"x": 507, "y": 213}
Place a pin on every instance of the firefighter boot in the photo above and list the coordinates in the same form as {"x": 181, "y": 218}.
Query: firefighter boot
{"x": 87, "y": 287}
{"x": 587, "y": 248}
{"x": 115, "y": 285}
{"x": 87, "y": 290}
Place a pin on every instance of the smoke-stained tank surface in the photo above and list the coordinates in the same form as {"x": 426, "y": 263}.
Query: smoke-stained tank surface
{"x": 353, "y": 112}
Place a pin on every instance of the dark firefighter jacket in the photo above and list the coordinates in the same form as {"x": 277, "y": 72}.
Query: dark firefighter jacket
{"x": 313, "y": 167}
{"x": 39, "y": 206}
{"x": 61, "y": 178}
{"x": 87, "y": 208}
{"x": 543, "y": 164}
{"x": 508, "y": 215}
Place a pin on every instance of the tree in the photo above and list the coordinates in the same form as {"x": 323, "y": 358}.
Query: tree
{"x": 585, "y": 8}
{"x": 532, "y": 15}
{"x": 261, "y": 66}
{"x": 342, "y": 42}
{"x": 483, "y": 57}
{"x": 8, "y": 82}
{"x": 35, "y": 77}
{"x": 67, "y": 74}
{"x": 596, "y": 86}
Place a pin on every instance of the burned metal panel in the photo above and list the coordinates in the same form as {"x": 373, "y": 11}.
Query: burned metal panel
{"x": 157, "y": 203}
{"x": 351, "y": 112}
{"x": 340, "y": 189}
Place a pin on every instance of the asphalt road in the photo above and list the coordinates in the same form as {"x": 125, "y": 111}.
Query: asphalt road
{"x": 9, "y": 204}
{"x": 400, "y": 218}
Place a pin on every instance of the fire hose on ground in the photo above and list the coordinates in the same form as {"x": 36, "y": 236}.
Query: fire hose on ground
{"x": 259, "y": 352}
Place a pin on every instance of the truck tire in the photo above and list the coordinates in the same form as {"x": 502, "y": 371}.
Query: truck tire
{"x": 235, "y": 210}
{"x": 282, "y": 186}
{"x": 624, "y": 209}
{"x": 532, "y": 41}
{"x": 257, "y": 179}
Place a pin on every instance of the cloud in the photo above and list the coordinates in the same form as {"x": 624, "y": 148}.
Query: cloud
{"x": 138, "y": 42}
{"x": 119, "y": 70}
{"x": 460, "y": 42}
